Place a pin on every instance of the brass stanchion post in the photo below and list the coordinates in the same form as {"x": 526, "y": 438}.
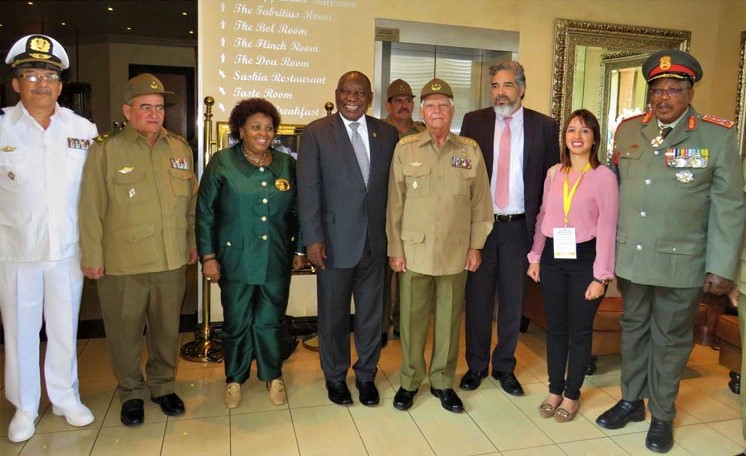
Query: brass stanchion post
{"x": 203, "y": 348}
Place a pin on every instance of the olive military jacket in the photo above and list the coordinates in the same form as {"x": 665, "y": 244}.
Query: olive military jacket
{"x": 137, "y": 203}
{"x": 439, "y": 203}
{"x": 681, "y": 204}
{"x": 248, "y": 216}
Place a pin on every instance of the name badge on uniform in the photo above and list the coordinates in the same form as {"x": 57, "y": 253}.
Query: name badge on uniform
{"x": 461, "y": 162}
{"x": 564, "y": 243}
{"x": 179, "y": 163}
{"x": 78, "y": 143}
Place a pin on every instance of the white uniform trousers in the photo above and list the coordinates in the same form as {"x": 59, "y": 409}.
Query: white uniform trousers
{"x": 28, "y": 291}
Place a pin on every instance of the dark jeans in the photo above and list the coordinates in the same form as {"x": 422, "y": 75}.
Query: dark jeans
{"x": 569, "y": 316}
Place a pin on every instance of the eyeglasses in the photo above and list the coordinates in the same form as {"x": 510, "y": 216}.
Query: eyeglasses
{"x": 158, "y": 109}
{"x": 36, "y": 77}
{"x": 672, "y": 92}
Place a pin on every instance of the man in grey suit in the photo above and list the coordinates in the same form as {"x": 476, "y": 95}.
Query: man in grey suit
{"x": 343, "y": 169}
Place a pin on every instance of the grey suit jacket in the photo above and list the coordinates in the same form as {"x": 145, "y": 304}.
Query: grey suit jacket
{"x": 334, "y": 205}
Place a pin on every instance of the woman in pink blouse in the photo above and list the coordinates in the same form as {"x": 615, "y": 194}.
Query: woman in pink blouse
{"x": 573, "y": 256}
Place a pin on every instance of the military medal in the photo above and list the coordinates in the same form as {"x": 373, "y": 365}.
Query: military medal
{"x": 282, "y": 185}
{"x": 684, "y": 176}
{"x": 179, "y": 163}
{"x": 656, "y": 142}
{"x": 131, "y": 193}
{"x": 414, "y": 185}
{"x": 461, "y": 162}
{"x": 11, "y": 176}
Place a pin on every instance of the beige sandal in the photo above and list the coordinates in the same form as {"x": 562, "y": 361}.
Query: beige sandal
{"x": 232, "y": 396}
{"x": 276, "y": 391}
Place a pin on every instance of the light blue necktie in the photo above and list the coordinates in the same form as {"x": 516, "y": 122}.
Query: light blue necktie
{"x": 360, "y": 152}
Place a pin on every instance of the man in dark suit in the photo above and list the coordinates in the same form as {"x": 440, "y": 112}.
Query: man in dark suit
{"x": 519, "y": 146}
{"x": 343, "y": 169}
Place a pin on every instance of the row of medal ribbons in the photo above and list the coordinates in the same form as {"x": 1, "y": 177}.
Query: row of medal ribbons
{"x": 687, "y": 158}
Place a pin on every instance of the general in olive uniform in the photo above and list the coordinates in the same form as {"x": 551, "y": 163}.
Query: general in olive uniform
{"x": 738, "y": 297}
{"x": 680, "y": 226}
{"x": 438, "y": 217}
{"x": 399, "y": 106}
{"x": 137, "y": 235}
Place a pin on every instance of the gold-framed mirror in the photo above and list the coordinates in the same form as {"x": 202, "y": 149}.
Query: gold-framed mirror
{"x": 741, "y": 98}
{"x": 597, "y": 67}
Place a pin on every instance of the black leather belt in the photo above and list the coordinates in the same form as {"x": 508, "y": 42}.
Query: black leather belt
{"x": 509, "y": 218}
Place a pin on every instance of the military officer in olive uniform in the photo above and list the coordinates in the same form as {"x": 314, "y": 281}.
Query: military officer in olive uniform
{"x": 738, "y": 298}
{"x": 137, "y": 235}
{"x": 438, "y": 217}
{"x": 399, "y": 106}
{"x": 681, "y": 217}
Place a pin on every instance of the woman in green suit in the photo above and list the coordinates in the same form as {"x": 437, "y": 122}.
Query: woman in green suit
{"x": 247, "y": 232}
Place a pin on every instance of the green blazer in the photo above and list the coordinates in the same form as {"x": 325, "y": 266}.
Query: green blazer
{"x": 678, "y": 223}
{"x": 247, "y": 216}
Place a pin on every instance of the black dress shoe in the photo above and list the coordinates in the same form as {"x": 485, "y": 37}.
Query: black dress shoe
{"x": 660, "y": 436}
{"x": 133, "y": 412}
{"x": 508, "y": 382}
{"x": 448, "y": 399}
{"x": 621, "y": 413}
{"x": 384, "y": 339}
{"x": 368, "y": 392}
{"x": 404, "y": 399}
{"x": 339, "y": 393}
{"x": 471, "y": 379}
{"x": 171, "y": 404}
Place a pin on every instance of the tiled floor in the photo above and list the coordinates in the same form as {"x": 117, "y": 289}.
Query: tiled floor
{"x": 495, "y": 423}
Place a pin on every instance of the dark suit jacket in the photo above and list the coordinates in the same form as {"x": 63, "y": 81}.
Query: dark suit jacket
{"x": 540, "y": 152}
{"x": 334, "y": 205}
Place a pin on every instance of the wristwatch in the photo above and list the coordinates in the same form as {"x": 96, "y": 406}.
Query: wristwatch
{"x": 604, "y": 282}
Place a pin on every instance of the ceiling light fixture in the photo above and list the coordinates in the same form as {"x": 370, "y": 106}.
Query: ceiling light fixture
{"x": 183, "y": 13}
{"x": 110, "y": 8}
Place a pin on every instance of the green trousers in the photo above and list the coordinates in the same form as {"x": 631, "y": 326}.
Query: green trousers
{"x": 253, "y": 328}
{"x": 420, "y": 295}
{"x": 129, "y": 305}
{"x": 657, "y": 339}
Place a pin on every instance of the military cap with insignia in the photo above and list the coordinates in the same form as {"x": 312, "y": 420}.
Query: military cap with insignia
{"x": 672, "y": 63}
{"x": 436, "y": 86}
{"x": 399, "y": 88}
{"x": 144, "y": 84}
{"x": 38, "y": 51}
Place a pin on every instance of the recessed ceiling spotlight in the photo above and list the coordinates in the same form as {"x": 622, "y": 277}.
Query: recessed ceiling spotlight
{"x": 184, "y": 13}
{"x": 30, "y": 3}
{"x": 129, "y": 28}
{"x": 63, "y": 23}
{"x": 191, "y": 32}
{"x": 111, "y": 8}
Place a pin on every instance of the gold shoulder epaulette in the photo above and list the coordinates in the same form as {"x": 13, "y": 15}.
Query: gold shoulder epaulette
{"x": 108, "y": 134}
{"x": 408, "y": 139}
{"x": 467, "y": 141}
{"x": 718, "y": 121}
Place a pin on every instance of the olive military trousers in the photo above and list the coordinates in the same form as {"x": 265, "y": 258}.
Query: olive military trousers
{"x": 657, "y": 339}
{"x": 420, "y": 295}
{"x": 130, "y": 304}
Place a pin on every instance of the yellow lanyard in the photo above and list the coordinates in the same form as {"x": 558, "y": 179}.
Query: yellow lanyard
{"x": 567, "y": 196}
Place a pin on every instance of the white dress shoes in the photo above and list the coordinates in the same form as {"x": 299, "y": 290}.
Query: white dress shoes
{"x": 79, "y": 415}
{"x": 22, "y": 426}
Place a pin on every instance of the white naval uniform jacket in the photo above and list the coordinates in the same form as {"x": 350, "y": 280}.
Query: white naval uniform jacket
{"x": 40, "y": 173}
